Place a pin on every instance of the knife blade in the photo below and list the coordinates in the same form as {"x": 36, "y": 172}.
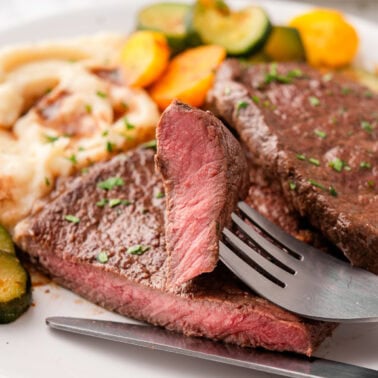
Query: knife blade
{"x": 287, "y": 365}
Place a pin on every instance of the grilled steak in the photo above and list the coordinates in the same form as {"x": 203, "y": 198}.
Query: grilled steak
{"x": 116, "y": 257}
{"x": 315, "y": 135}
{"x": 205, "y": 173}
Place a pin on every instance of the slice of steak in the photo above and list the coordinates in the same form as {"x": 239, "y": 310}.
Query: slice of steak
{"x": 317, "y": 136}
{"x": 205, "y": 173}
{"x": 116, "y": 257}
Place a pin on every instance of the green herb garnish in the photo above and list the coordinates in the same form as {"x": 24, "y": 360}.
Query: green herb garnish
{"x": 328, "y": 77}
{"x": 72, "y": 159}
{"x": 102, "y": 203}
{"x": 316, "y": 184}
{"x": 301, "y": 157}
{"x": 292, "y": 185}
{"x": 51, "y": 138}
{"x": 84, "y": 170}
{"x": 368, "y": 94}
{"x": 102, "y": 257}
{"x": 47, "y": 181}
{"x": 138, "y": 249}
{"x": 346, "y": 90}
{"x": 241, "y": 105}
{"x": 371, "y": 184}
{"x": 101, "y": 94}
{"x": 337, "y": 164}
{"x": 332, "y": 191}
{"x": 150, "y": 144}
{"x": 72, "y": 218}
{"x": 320, "y": 134}
{"x": 365, "y": 165}
{"x": 255, "y": 99}
{"x": 367, "y": 126}
{"x": 114, "y": 202}
{"x": 128, "y": 125}
{"x": 105, "y": 133}
{"x": 160, "y": 195}
{"x": 111, "y": 183}
{"x": 314, "y": 101}
{"x": 314, "y": 161}
{"x": 88, "y": 108}
{"x": 109, "y": 146}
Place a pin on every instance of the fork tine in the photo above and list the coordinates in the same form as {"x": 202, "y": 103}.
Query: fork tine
{"x": 272, "y": 249}
{"x": 247, "y": 252}
{"x": 275, "y": 232}
{"x": 246, "y": 273}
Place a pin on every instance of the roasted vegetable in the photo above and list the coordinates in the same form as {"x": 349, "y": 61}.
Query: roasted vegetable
{"x": 171, "y": 19}
{"x": 240, "y": 32}
{"x": 189, "y": 76}
{"x": 6, "y": 244}
{"x": 15, "y": 288}
{"x": 329, "y": 40}
{"x": 144, "y": 57}
{"x": 284, "y": 45}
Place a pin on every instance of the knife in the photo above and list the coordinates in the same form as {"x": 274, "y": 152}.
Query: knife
{"x": 284, "y": 364}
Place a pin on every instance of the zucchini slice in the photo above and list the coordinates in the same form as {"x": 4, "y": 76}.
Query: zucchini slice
{"x": 171, "y": 19}
{"x": 15, "y": 288}
{"x": 6, "y": 243}
{"x": 240, "y": 33}
{"x": 284, "y": 45}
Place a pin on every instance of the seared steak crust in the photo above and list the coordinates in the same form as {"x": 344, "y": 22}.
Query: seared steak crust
{"x": 317, "y": 137}
{"x": 214, "y": 305}
{"x": 205, "y": 173}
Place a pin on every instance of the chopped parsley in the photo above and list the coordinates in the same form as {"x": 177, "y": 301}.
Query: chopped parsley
{"x": 301, "y": 157}
{"x": 128, "y": 125}
{"x": 241, "y": 105}
{"x": 368, "y": 94}
{"x": 114, "y": 202}
{"x": 110, "y": 183}
{"x": 255, "y": 99}
{"x": 88, "y": 108}
{"x": 337, "y": 164}
{"x": 105, "y": 133}
{"x": 367, "y": 126}
{"x": 124, "y": 105}
{"x": 126, "y": 202}
{"x": 109, "y": 146}
{"x": 72, "y": 218}
{"x": 292, "y": 185}
{"x": 72, "y": 159}
{"x": 346, "y": 90}
{"x": 314, "y": 161}
{"x": 102, "y": 257}
{"x": 314, "y": 101}
{"x": 328, "y": 77}
{"x": 150, "y": 144}
{"x": 321, "y": 134}
{"x": 316, "y": 184}
{"x": 160, "y": 195}
{"x": 365, "y": 165}
{"x": 84, "y": 170}
{"x": 138, "y": 249}
{"x": 102, "y": 203}
{"x": 371, "y": 184}
{"x": 332, "y": 191}
{"x": 47, "y": 181}
{"x": 51, "y": 138}
{"x": 101, "y": 94}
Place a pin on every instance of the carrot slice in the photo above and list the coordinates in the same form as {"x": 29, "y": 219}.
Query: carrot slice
{"x": 144, "y": 57}
{"x": 189, "y": 76}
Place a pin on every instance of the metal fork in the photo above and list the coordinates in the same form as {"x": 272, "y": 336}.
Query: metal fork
{"x": 295, "y": 275}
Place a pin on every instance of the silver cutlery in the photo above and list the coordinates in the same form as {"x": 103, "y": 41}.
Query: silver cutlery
{"x": 283, "y": 364}
{"x": 295, "y": 275}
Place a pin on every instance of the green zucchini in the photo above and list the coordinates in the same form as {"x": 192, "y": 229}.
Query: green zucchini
{"x": 240, "y": 33}
{"x": 171, "y": 19}
{"x": 15, "y": 288}
{"x": 285, "y": 44}
{"x": 6, "y": 244}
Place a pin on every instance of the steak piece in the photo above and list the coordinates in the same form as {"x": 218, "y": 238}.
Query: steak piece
{"x": 315, "y": 135}
{"x": 132, "y": 281}
{"x": 205, "y": 173}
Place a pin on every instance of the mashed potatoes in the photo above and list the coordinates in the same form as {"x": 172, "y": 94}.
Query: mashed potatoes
{"x": 63, "y": 106}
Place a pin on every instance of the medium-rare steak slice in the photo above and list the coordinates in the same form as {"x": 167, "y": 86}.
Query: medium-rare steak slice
{"x": 91, "y": 240}
{"x": 205, "y": 173}
{"x": 316, "y": 135}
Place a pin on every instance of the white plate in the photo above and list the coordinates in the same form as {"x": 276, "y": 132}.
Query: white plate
{"x": 29, "y": 349}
